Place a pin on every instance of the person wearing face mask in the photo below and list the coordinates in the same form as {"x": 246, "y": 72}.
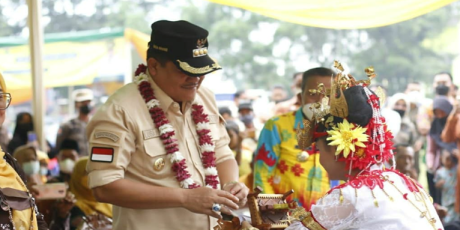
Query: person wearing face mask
{"x": 280, "y": 164}
{"x": 407, "y": 134}
{"x": 24, "y": 125}
{"x": 67, "y": 156}
{"x": 23, "y": 132}
{"x": 75, "y": 129}
{"x": 27, "y": 157}
{"x": 441, "y": 109}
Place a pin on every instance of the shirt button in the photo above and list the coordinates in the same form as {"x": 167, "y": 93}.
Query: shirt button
{"x": 175, "y": 105}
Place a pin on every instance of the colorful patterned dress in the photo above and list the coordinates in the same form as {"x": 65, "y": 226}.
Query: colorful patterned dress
{"x": 277, "y": 168}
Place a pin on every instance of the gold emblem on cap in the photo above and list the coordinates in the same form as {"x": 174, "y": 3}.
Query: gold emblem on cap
{"x": 200, "y": 52}
{"x": 201, "y": 42}
{"x": 159, "y": 164}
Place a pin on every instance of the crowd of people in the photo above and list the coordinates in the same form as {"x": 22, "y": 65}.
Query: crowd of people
{"x": 161, "y": 152}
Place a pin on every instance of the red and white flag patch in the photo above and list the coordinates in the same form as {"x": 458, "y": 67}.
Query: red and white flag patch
{"x": 100, "y": 154}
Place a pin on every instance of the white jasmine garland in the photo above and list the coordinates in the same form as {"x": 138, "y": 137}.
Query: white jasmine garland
{"x": 211, "y": 171}
{"x": 186, "y": 183}
{"x": 207, "y": 148}
{"x": 201, "y": 126}
{"x": 166, "y": 129}
{"x": 153, "y": 103}
{"x": 176, "y": 157}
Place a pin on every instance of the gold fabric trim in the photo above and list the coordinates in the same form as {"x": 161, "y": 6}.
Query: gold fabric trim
{"x": 203, "y": 70}
{"x": 310, "y": 223}
{"x": 306, "y": 218}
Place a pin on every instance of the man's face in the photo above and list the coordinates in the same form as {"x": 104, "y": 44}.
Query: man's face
{"x": 400, "y": 105}
{"x": 278, "y": 94}
{"x": 443, "y": 79}
{"x": 244, "y": 112}
{"x": 68, "y": 154}
{"x": 82, "y": 103}
{"x": 312, "y": 83}
{"x": 413, "y": 87}
{"x": 405, "y": 160}
{"x": 242, "y": 97}
{"x": 297, "y": 83}
{"x": 175, "y": 83}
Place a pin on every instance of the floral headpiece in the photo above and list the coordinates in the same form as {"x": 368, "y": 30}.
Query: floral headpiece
{"x": 349, "y": 116}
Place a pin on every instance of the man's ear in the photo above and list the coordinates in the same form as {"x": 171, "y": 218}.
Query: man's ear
{"x": 152, "y": 65}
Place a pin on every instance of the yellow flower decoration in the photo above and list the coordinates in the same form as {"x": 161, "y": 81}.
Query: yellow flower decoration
{"x": 346, "y": 136}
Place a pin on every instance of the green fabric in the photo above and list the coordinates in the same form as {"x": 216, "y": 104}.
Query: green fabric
{"x": 80, "y": 36}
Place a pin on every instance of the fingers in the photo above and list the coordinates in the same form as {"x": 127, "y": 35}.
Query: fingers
{"x": 226, "y": 210}
{"x": 210, "y": 212}
{"x": 226, "y": 202}
{"x": 227, "y": 195}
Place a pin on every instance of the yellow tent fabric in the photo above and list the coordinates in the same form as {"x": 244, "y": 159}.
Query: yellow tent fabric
{"x": 139, "y": 40}
{"x": 339, "y": 14}
{"x": 65, "y": 64}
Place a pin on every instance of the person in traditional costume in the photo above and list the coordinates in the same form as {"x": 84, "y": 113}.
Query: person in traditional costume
{"x": 354, "y": 142}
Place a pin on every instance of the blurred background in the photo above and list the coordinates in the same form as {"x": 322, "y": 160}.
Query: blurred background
{"x": 96, "y": 44}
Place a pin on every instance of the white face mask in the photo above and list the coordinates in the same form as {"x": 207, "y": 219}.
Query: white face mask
{"x": 415, "y": 97}
{"x": 31, "y": 167}
{"x": 66, "y": 165}
{"x": 307, "y": 111}
{"x": 43, "y": 171}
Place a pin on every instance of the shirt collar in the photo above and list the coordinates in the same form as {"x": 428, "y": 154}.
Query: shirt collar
{"x": 162, "y": 97}
{"x": 298, "y": 118}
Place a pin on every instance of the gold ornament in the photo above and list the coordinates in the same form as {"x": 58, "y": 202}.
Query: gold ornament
{"x": 339, "y": 106}
{"x": 305, "y": 135}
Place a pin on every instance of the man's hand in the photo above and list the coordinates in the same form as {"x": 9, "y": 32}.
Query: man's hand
{"x": 201, "y": 200}
{"x": 65, "y": 205}
{"x": 239, "y": 190}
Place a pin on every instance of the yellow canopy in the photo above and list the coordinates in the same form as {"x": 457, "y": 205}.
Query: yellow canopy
{"x": 339, "y": 14}
{"x": 65, "y": 64}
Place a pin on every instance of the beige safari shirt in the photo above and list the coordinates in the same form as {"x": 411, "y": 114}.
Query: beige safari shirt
{"x": 125, "y": 143}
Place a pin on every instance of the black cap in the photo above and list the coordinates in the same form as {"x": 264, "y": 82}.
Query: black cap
{"x": 185, "y": 44}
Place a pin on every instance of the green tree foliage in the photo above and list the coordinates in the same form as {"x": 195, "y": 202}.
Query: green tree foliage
{"x": 398, "y": 52}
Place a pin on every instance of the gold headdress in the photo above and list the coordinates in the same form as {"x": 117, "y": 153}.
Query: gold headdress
{"x": 334, "y": 101}
{"x": 357, "y": 134}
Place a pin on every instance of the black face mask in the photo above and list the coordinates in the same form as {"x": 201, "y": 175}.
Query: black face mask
{"x": 85, "y": 109}
{"x": 400, "y": 112}
{"x": 24, "y": 128}
{"x": 442, "y": 90}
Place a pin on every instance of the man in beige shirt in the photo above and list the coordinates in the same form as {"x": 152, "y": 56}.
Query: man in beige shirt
{"x": 129, "y": 165}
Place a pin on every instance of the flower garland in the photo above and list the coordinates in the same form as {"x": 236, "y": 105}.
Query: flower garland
{"x": 167, "y": 133}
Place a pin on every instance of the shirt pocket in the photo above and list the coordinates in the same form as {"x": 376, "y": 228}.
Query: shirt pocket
{"x": 157, "y": 162}
{"x": 214, "y": 126}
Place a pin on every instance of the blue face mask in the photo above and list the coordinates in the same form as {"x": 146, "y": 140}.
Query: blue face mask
{"x": 247, "y": 119}
{"x": 31, "y": 167}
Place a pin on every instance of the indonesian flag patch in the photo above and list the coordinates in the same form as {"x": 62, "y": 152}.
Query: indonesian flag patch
{"x": 100, "y": 154}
